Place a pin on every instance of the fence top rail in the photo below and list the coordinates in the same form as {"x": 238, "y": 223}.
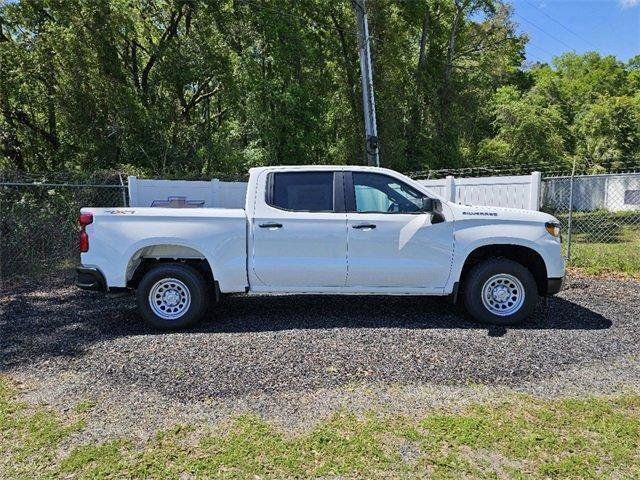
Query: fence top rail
{"x": 37, "y": 184}
{"x": 622, "y": 174}
{"x": 502, "y": 180}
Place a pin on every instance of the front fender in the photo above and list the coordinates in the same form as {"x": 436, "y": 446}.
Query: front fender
{"x": 471, "y": 235}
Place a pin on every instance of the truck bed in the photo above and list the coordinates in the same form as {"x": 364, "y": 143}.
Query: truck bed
{"x": 120, "y": 238}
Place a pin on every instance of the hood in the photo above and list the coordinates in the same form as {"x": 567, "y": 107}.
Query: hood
{"x": 470, "y": 212}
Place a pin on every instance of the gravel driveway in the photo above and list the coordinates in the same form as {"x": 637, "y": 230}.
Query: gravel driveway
{"x": 294, "y": 359}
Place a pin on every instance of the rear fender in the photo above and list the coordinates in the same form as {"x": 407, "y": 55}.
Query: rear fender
{"x": 161, "y": 248}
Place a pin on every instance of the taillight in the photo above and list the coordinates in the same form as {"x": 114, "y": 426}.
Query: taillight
{"x": 85, "y": 219}
{"x": 83, "y": 242}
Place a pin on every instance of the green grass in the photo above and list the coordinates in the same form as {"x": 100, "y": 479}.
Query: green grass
{"x": 518, "y": 438}
{"x": 607, "y": 258}
{"x": 604, "y": 242}
{"x": 622, "y": 257}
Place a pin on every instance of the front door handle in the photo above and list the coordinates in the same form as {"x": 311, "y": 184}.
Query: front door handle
{"x": 364, "y": 225}
{"x": 270, "y": 225}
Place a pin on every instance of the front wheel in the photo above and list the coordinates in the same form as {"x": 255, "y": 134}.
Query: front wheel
{"x": 172, "y": 296}
{"x": 500, "y": 291}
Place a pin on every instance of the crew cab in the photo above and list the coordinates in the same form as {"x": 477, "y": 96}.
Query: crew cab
{"x": 323, "y": 230}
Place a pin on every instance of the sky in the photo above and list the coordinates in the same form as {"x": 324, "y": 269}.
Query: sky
{"x": 610, "y": 27}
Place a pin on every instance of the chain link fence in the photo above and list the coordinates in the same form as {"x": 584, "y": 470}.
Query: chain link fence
{"x": 600, "y": 216}
{"x": 38, "y": 223}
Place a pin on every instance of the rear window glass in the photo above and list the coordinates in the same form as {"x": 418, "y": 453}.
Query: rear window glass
{"x": 303, "y": 192}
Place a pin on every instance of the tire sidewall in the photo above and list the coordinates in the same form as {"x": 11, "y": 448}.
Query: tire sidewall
{"x": 476, "y": 279}
{"x": 194, "y": 283}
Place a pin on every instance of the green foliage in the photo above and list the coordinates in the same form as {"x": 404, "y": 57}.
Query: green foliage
{"x": 598, "y": 98}
{"x": 201, "y": 88}
{"x": 608, "y": 130}
{"x": 529, "y": 131}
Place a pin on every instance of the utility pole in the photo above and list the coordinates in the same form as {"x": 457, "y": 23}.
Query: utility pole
{"x": 368, "y": 100}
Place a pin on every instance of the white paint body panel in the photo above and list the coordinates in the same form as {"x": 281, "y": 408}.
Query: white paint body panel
{"x": 403, "y": 251}
{"x": 315, "y": 252}
{"x": 509, "y": 227}
{"x": 309, "y": 252}
{"x": 116, "y": 235}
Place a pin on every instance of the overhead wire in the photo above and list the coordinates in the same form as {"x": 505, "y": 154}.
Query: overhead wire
{"x": 538, "y": 47}
{"x": 561, "y": 24}
{"x": 545, "y": 32}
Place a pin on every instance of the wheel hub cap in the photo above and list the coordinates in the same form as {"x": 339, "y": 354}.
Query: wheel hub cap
{"x": 169, "y": 298}
{"x": 500, "y": 293}
{"x": 503, "y": 294}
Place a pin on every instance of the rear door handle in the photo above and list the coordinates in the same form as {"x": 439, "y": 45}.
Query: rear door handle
{"x": 364, "y": 225}
{"x": 270, "y": 225}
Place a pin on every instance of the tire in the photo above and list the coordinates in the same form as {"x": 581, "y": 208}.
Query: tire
{"x": 180, "y": 296}
{"x": 500, "y": 291}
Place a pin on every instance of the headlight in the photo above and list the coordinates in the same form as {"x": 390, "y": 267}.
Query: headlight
{"x": 553, "y": 228}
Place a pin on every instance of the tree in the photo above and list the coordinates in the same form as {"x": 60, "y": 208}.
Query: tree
{"x": 608, "y": 133}
{"x": 201, "y": 88}
{"x": 528, "y": 132}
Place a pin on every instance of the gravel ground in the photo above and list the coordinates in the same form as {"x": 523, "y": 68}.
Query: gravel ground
{"x": 295, "y": 359}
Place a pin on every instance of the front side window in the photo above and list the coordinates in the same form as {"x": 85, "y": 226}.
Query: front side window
{"x": 302, "y": 191}
{"x": 376, "y": 193}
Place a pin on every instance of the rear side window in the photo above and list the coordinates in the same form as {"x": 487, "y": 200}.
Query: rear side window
{"x": 301, "y": 192}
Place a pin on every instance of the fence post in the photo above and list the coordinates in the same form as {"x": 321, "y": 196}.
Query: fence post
{"x": 534, "y": 191}
{"x": 570, "y": 220}
{"x": 450, "y": 188}
{"x": 215, "y": 192}
{"x": 133, "y": 190}
{"x": 122, "y": 190}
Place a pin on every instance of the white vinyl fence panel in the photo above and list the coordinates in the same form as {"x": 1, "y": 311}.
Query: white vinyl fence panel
{"x": 521, "y": 191}
{"x": 441, "y": 187}
{"x": 508, "y": 191}
{"x": 186, "y": 193}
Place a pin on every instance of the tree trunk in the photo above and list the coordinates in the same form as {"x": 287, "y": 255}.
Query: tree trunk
{"x": 415, "y": 122}
{"x": 52, "y": 124}
{"x": 350, "y": 82}
{"x": 10, "y": 144}
{"x": 445, "y": 96}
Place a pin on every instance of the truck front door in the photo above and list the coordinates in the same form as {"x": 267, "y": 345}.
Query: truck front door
{"x": 299, "y": 231}
{"x": 392, "y": 244}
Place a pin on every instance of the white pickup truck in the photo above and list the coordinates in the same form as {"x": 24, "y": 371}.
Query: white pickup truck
{"x": 323, "y": 230}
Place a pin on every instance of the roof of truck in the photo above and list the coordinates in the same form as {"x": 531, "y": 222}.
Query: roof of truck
{"x": 321, "y": 167}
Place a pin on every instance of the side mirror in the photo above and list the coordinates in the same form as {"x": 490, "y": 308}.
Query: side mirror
{"x": 428, "y": 204}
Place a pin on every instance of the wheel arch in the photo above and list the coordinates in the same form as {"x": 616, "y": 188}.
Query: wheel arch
{"x": 524, "y": 255}
{"x": 153, "y": 253}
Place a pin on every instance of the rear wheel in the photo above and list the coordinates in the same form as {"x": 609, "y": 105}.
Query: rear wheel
{"x": 172, "y": 296}
{"x": 500, "y": 291}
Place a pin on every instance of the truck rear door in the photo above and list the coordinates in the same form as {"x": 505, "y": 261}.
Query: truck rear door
{"x": 299, "y": 230}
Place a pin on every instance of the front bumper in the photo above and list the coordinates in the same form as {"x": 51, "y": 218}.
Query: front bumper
{"x": 554, "y": 285}
{"x": 89, "y": 278}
